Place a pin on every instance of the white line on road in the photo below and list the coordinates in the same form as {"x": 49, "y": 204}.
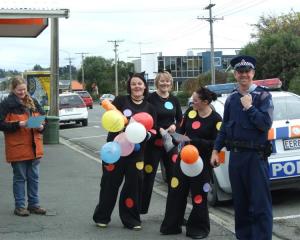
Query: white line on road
{"x": 98, "y": 136}
{"x": 286, "y": 217}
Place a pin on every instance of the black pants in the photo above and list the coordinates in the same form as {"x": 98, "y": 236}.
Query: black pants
{"x": 153, "y": 155}
{"x": 198, "y": 221}
{"x": 130, "y": 168}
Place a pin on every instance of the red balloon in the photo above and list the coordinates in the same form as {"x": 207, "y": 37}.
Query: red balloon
{"x": 145, "y": 119}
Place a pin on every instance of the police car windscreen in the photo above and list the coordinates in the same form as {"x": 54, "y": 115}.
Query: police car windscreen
{"x": 285, "y": 107}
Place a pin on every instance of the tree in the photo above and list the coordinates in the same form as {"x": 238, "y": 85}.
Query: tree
{"x": 277, "y": 47}
{"x": 101, "y": 71}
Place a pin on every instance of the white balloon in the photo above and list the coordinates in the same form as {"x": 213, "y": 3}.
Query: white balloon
{"x": 192, "y": 170}
{"x": 135, "y": 132}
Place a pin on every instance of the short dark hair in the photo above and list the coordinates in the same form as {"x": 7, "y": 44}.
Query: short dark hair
{"x": 205, "y": 94}
{"x": 140, "y": 76}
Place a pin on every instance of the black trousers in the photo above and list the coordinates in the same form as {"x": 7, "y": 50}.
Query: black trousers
{"x": 153, "y": 155}
{"x": 131, "y": 170}
{"x": 178, "y": 189}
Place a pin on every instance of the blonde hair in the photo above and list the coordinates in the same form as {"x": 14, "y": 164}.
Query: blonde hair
{"x": 27, "y": 101}
{"x": 160, "y": 74}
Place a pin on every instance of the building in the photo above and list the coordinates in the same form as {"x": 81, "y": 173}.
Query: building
{"x": 182, "y": 67}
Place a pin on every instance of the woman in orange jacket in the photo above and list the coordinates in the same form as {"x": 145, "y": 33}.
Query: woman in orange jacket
{"x": 23, "y": 145}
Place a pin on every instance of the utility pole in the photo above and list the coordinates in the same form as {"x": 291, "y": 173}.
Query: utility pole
{"x": 70, "y": 68}
{"x": 116, "y": 64}
{"x": 82, "y": 68}
{"x": 212, "y": 54}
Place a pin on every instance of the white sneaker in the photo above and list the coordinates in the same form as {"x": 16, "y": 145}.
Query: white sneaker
{"x": 137, "y": 228}
{"x": 101, "y": 225}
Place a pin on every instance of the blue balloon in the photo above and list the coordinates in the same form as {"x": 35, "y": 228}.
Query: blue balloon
{"x": 137, "y": 147}
{"x": 110, "y": 152}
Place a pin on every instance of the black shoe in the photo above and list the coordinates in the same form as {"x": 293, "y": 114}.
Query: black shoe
{"x": 198, "y": 236}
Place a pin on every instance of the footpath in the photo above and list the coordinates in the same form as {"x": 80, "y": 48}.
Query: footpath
{"x": 69, "y": 188}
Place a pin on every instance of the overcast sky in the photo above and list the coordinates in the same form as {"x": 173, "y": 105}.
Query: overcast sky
{"x": 167, "y": 26}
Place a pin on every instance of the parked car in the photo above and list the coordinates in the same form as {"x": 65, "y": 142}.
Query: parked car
{"x": 284, "y": 162}
{"x": 72, "y": 109}
{"x": 86, "y": 98}
{"x": 107, "y": 96}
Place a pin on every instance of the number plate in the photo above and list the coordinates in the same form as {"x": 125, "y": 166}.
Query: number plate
{"x": 291, "y": 144}
{"x": 69, "y": 109}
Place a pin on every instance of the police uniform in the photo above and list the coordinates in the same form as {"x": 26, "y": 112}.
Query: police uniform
{"x": 244, "y": 133}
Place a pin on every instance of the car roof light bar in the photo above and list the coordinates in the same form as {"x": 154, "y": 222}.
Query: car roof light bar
{"x": 225, "y": 88}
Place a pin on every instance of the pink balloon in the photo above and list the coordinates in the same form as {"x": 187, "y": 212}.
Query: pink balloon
{"x": 126, "y": 146}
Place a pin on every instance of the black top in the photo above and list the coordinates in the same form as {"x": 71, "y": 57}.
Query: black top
{"x": 168, "y": 110}
{"x": 128, "y": 108}
{"x": 202, "y": 131}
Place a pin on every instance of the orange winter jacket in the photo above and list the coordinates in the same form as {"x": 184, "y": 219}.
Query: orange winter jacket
{"x": 20, "y": 143}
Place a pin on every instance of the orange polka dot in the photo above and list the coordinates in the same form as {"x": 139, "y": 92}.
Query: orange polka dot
{"x": 110, "y": 167}
{"x": 198, "y": 199}
{"x": 174, "y": 158}
{"x": 196, "y": 125}
{"x": 129, "y": 202}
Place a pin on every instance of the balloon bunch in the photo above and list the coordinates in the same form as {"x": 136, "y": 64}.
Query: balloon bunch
{"x": 191, "y": 163}
{"x": 125, "y": 142}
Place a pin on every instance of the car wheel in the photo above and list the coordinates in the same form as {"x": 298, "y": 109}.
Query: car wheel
{"x": 84, "y": 122}
{"x": 212, "y": 196}
{"x": 91, "y": 107}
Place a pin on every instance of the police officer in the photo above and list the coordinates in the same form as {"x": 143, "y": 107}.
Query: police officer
{"x": 248, "y": 116}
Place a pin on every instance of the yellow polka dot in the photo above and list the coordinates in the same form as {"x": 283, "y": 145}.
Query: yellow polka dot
{"x": 148, "y": 168}
{"x": 192, "y": 114}
{"x": 174, "y": 182}
{"x": 218, "y": 125}
{"x": 140, "y": 165}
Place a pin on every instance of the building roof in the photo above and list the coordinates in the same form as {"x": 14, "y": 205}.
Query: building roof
{"x": 75, "y": 85}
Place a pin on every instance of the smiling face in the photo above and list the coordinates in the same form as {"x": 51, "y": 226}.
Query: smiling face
{"x": 164, "y": 83}
{"x": 20, "y": 90}
{"x": 198, "y": 103}
{"x": 244, "y": 77}
{"x": 137, "y": 87}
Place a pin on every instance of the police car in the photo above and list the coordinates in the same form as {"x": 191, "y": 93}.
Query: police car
{"x": 284, "y": 162}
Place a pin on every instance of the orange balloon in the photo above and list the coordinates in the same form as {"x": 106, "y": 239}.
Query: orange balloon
{"x": 189, "y": 154}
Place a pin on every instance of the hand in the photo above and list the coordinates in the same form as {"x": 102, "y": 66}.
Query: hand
{"x": 246, "y": 101}
{"x": 40, "y": 128}
{"x": 171, "y": 128}
{"x": 214, "y": 160}
{"x": 22, "y": 123}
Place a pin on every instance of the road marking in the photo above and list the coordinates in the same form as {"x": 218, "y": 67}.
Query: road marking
{"x": 227, "y": 222}
{"x": 286, "y": 217}
{"x": 78, "y": 149}
{"x": 98, "y": 136}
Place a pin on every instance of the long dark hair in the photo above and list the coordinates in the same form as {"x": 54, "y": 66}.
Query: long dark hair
{"x": 140, "y": 76}
{"x": 205, "y": 94}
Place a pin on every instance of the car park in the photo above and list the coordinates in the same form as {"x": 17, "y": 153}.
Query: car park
{"x": 72, "y": 109}
{"x": 108, "y": 96}
{"x": 284, "y": 162}
{"x": 88, "y": 100}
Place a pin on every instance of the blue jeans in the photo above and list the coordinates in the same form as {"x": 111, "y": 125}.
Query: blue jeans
{"x": 26, "y": 171}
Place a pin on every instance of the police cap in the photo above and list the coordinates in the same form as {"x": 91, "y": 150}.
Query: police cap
{"x": 243, "y": 62}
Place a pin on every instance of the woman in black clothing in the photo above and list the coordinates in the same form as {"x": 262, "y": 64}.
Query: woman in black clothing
{"x": 169, "y": 117}
{"x": 200, "y": 124}
{"x": 129, "y": 167}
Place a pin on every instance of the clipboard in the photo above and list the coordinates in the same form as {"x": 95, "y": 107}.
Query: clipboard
{"x": 35, "y": 122}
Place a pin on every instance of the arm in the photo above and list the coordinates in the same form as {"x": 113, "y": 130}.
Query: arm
{"x": 8, "y": 126}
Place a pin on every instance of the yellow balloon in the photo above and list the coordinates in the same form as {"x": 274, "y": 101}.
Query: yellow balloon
{"x": 113, "y": 121}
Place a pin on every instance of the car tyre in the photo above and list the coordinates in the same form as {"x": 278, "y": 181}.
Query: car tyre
{"x": 84, "y": 122}
{"x": 212, "y": 196}
{"x": 91, "y": 107}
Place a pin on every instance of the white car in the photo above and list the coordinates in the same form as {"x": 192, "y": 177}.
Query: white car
{"x": 72, "y": 109}
{"x": 284, "y": 162}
